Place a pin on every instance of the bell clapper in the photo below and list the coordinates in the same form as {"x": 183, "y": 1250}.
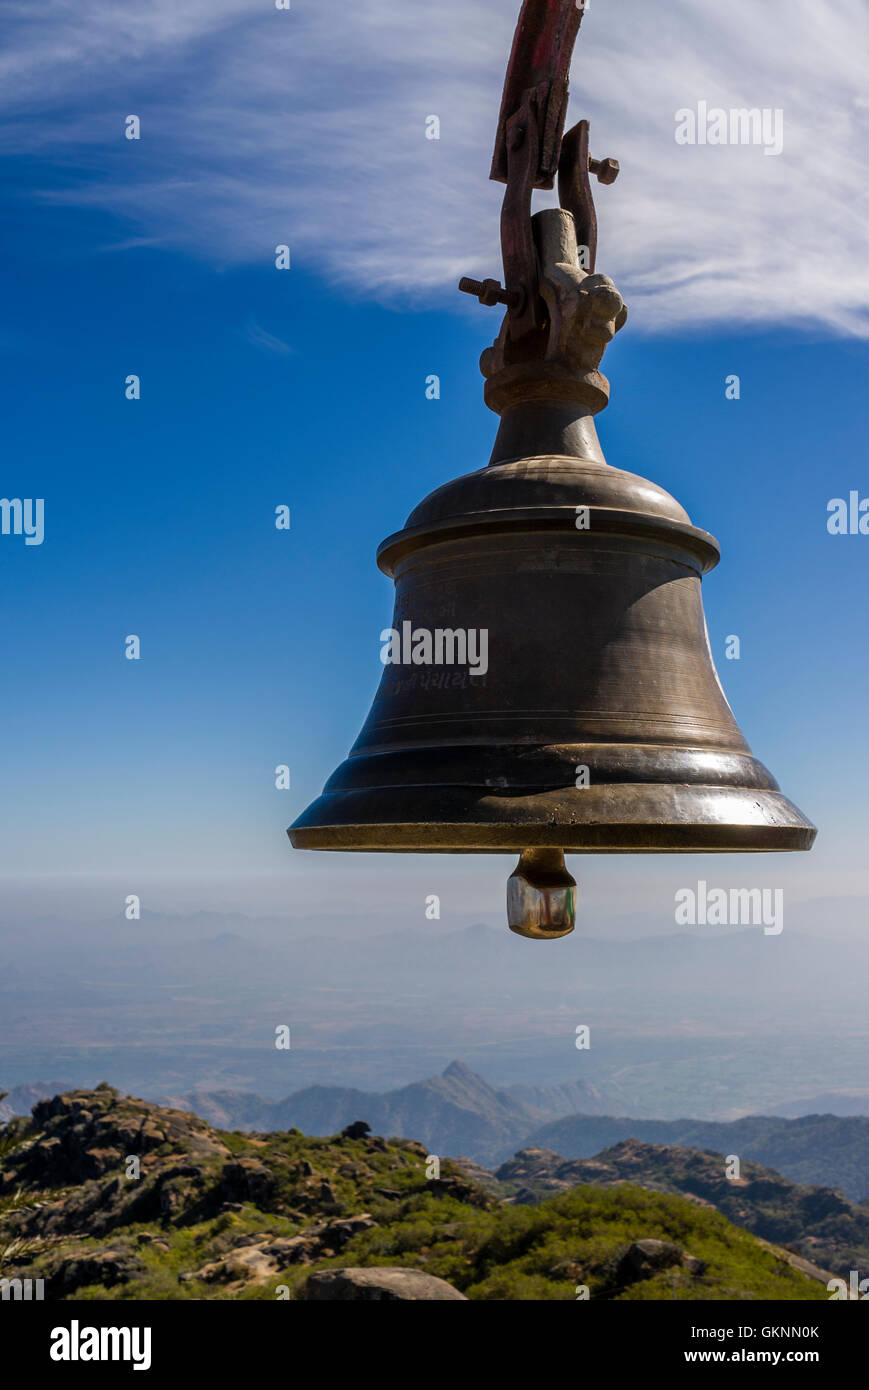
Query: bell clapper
{"x": 541, "y": 896}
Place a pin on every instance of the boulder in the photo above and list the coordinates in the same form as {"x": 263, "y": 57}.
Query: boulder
{"x": 246, "y": 1180}
{"x": 117, "y": 1265}
{"x": 247, "y": 1265}
{"x": 451, "y": 1185}
{"x": 357, "y": 1130}
{"x": 338, "y": 1233}
{"x": 646, "y": 1258}
{"x": 379, "y": 1285}
{"x": 412, "y": 1146}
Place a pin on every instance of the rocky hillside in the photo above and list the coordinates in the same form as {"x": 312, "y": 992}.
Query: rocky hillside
{"x": 107, "y": 1197}
{"x": 824, "y": 1150}
{"x": 817, "y": 1222}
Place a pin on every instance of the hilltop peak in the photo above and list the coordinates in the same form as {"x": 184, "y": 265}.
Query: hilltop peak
{"x": 457, "y": 1071}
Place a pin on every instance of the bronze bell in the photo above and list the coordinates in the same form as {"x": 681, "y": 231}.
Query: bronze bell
{"x": 549, "y": 685}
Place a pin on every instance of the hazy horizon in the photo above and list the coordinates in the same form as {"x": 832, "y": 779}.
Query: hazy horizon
{"x": 711, "y": 1022}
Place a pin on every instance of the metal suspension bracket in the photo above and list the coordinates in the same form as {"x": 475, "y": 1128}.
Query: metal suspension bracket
{"x": 574, "y": 186}
{"x": 530, "y": 152}
{"x": 517, "y": 237}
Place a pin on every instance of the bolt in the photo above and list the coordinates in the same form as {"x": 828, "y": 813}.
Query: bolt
{"x": 491, "y": 292}
{"x": 607, "y": 170}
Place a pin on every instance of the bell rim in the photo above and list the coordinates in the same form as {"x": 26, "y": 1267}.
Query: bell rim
{"x": 322, "y": 839}
{"x": 619, "y": 819}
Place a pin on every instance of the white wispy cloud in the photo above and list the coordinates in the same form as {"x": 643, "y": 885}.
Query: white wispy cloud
{"x": 259, "y": 337}
{"x": 307, "y": 126}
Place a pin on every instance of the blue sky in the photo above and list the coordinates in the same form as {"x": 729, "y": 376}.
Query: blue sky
{"x": 307, "y": 387}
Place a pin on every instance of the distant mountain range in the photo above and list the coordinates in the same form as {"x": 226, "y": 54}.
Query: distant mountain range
{"x": 825, "y": 1150}
{"x": 458, "y": 1113}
